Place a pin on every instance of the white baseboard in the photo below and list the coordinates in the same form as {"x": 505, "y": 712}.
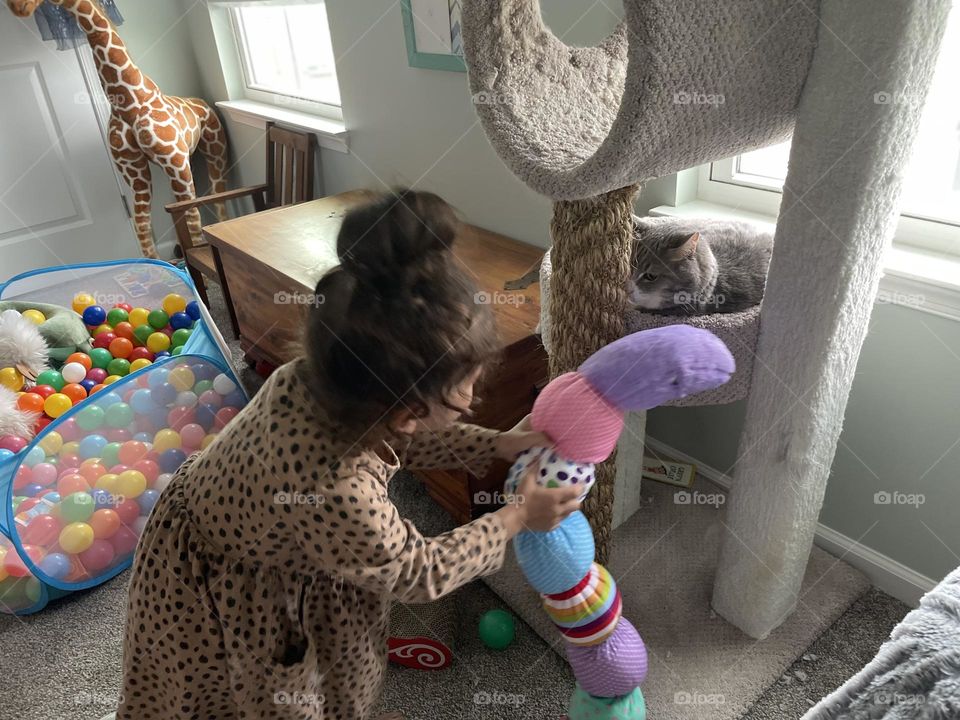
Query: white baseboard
{"x": 885, "y": 573}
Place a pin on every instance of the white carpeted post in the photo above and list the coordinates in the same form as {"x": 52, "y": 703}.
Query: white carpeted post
{"x": 855, "y": 128}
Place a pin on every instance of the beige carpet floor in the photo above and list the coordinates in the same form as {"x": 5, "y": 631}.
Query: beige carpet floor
{"x": 664, "y": 560}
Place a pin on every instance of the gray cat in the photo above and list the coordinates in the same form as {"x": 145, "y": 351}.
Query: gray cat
{"x": 697, "y": 266}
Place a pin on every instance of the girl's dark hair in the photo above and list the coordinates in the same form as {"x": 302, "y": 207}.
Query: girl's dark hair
{"x": 397, "y": 324}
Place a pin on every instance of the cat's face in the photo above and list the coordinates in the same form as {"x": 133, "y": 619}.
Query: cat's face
{"x": 667, "y": 271}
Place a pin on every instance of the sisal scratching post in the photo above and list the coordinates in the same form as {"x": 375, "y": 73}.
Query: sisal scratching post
{"x": 591, "y": 258}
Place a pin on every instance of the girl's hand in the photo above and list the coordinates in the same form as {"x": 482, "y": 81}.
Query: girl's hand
{"x": 538, "y": 508}
{"x": 521, "y": 437}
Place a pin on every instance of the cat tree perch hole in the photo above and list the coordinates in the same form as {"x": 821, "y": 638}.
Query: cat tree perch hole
{"x": 739, "y": 332}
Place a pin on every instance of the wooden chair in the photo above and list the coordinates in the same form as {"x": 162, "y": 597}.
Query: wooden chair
{"x": 290, "y": 171}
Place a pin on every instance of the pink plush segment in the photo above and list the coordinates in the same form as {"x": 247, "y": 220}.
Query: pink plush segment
{"x": 584, "y": 426}
{"x": 614, "y": 667}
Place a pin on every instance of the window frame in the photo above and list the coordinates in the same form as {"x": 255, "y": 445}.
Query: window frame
{"x": 263, "y": 94}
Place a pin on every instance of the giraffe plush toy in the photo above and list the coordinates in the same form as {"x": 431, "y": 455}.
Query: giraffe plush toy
{"x": 146, "y": 126}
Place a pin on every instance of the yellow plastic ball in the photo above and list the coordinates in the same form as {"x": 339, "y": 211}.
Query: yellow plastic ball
{"x": 131, "y": 483}
{"x": 110, "y": 379}
{"x": 76, "y": 537}
{"x": 206, "y": 441}
{"x": 82, "y": 301}
{"x": 51, "y": 442}
{"x": 3, "y": 571}
{"x": 166, "y": 440}
{"x": 11, "y": 379}
{"x": 182, "y": 378}
{"x": 158, "y": 342}
{"x": 139, "y": 364}
{"x": 138, "y": 316}
{"x": 34, "y": 316}
{"x": 101, "y": 329}
{"x": 57, "y": 404}
{"x": 108, "y": 482}
{"x": 174, "y": 303}
{"x": 69, "y": 448}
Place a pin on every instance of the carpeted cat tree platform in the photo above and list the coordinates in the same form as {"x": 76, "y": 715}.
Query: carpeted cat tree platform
{"x": 587, "y": 126}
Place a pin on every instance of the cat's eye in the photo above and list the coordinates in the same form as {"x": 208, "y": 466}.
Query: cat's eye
{"x": 649, "y": 276}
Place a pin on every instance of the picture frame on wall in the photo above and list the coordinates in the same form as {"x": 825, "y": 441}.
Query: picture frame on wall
{"x": 432, "y": 32}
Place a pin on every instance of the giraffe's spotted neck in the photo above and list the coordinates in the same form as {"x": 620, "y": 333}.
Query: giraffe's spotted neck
{"x": 127, "y": 89}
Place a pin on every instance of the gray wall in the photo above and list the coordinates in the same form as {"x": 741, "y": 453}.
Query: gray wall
{"x": 413, "y": 126}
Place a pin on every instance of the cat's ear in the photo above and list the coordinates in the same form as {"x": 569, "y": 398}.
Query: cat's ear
{"x": 685, "y": 249}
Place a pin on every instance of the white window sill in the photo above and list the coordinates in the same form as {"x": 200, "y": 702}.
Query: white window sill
{"x": 331, "y": 134}
{"x": 913, "y": 278}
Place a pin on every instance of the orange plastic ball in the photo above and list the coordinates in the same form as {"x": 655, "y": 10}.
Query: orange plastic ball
{"x": 97, "y": 388}
{"x": 82, "y": 358}
{"x": 74, "y": 483}
{"x": 31, "y": 402}
{"x": 124, "y": 330}
{"x": 75, "y": 392}
{"x": 121, "y": 348}
{"x": 92, "y": 472}
{"x": 105, "y": 522}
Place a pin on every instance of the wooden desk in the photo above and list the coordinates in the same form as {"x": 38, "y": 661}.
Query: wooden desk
{"x": 271, "y": 263}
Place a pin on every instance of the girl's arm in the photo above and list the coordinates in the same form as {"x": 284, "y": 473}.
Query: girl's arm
{"x": 461, "y": 446}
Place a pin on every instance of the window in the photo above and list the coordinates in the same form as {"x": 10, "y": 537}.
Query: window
{"x": 287, "y": 56}
{"x": 931, "y": 195}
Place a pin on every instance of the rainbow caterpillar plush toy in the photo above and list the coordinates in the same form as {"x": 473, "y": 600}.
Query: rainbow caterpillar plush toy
{"x": 583, "y": 413}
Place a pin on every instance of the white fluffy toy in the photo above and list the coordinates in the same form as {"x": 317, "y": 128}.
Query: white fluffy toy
{"x": 22, "y": 348}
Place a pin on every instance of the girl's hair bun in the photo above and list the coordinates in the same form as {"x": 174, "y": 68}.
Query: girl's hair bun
{"x": 392, "y": 244}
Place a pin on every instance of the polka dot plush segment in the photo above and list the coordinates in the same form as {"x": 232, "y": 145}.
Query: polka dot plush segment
{"x": 584, "y": 426}
{"x": 614, "y": 667}
{"x": 584, "y": 706}
{"x": 554, "y": 471}
{"x": 590, "y": 599}
{"x": 557, "y": 560}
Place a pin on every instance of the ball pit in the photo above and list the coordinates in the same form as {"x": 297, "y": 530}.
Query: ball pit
{"x": 115, "y": 423}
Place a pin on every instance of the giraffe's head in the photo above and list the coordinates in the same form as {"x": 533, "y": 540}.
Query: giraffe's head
{"x": 23, "y": 8}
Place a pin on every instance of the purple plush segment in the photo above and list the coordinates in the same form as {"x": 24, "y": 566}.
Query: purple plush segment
{"x": 614, "y": 667}
{"x": 651, "y": 367}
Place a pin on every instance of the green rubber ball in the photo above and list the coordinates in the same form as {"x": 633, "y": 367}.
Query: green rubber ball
{"x": 142, "y": 332}
{"x": 77, "y": 507}
{"x": 158, "y": 319}
{"x": 118, "y": 366}
{"x": 179, "y": 337}
{"x": 117, "y": 316}
{"x": 119, "y": 415}
{"x": 496, "y": 629}
{"x": 100, "y": 357}
{"x": 110, "y": 455}
{"x": 51, "y": 378}
{"x": 90, "y": 418}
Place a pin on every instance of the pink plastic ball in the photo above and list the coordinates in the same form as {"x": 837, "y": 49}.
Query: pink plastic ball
{"x": 211, "y": 397}
{"x": 98, "y": 375}
{"x": 12, "y": 443}
{"x": 124, "y": 540}
{"x": 150, "y": 470}
{"x": 41, "y": 530}
{"x": 180, "y": 416}
{"x": 225, "y": 415}
{"x": 128, "y": 510}
{"x": 70, "y": 461}
{"x": 99, "y": 555}
{"x": 44, "y": 474}
{"x": 70, "y": 431}
{"x": 192, "y": 435}
{"x": 23, "y": 477}
{"x": 117, "y": 435}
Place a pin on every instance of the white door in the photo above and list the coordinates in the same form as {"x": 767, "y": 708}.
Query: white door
{"x": 59, "y": 198}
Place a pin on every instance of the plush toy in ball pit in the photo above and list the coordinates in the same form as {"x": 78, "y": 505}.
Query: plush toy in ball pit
{"x": 23, "y": 357}
{"x": 582, "y": 411}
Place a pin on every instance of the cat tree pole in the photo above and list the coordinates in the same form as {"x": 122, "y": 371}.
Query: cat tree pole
{"x": 584, "y": 126}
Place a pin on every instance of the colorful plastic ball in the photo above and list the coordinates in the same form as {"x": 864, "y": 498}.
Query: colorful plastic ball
{"x": 173, "y": 303}
{"x": 72, "y": 482}
{"x": 166, "y": 440}
{"x": 131, "y": 483}
{"x": 23, "y": 477}
{"x": 91, "y": 446}
{"x": 141, "y": 353}
{"x": 51, "y": 443}
{"x": 100, "y": 357}
{"x": 76, "y": 507}
{"x": 124, "y": 541}
{"x": 76, "y": 537}
{"x": 182, "y": 378}
{"x": 206, "y": 415}
{"x": 119, "y": 367}
{"x": 32, "y": 490}
{"x": 57, "y": 404}
{"x": 75, "y": 392}
{"x": 179, "y": 416}
{"x": 171, "y": 460}
{"x": 101, "y": 500}
{"x": 94, "y": 315}
{"x": 160, "y": 484}
{"x": 180, "y": 321}
{"x": 496, "y": 629}
{"x": 186, "y": 399}
{"x": 157, "y": 377}
{"x": 164, "y": 354}
{"x": 236, "y": 399}
{"x": 30, "y": 402}
{"x": 102, "y": 330}
{"x": 97, "y": 375}
{"x": 81, "y": 359}
{"x": 55, "y": 566}
{"x": 157, "y": 342}
{"x": 121, "y": 348}
{"x": 51, "y": 378}
{"x": 111, "y": 379}
{"x": 140, "y": 364}
{"x": 124, "y": 306}
{"x": 224, "y": 416}
{"x": 36, "y": 455}
{"x": 69, "y": 460}
{"x": 119, "y": 415}
{"x": 192, "y": 435}
{"x": 12, "y": 443}
{"x": 116, "y": 315}
{"x": 90, "y": 418}
{"x": 44, "y": 473}
{"x": 11, "y": 378}
{"x": 132, "y": 452}
{"x": 164, "y": 394}
{"x": 158, "y": 319}
{"x": 224, "y": 384}
{"x": 102, "y": 340}
{"x": 180, "y": 337}
{"x": 124, "y": 330}
{"x": 142, "y": 333}
{"x": 193, "y": 309}
{"x": 99, "y": 556}
{"x": 34, "y": 316}
{"x": 177, "y": 351}
{"x": 206, "y": 441}
{"x": 81, "y": 301}
{"x": 128, "y": 510}
{"x": 149, "y": 468}
{"x": 97, "y": 388}
{"x": 5, "y": 454}
{"x": 141, "y": 401}
{"x": 138, "y": 316}
{"x": 73, "y": 372}
{"x": 147, "y": 500}
{"x": 41, "y": 424}
{"x": 87, "y": 385}
{"x": 105, "y": 522}
{"x": 41, "y": 530}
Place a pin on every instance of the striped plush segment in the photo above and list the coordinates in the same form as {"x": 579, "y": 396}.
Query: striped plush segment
{"x": 589, "y": 599}
{"x": 554, "y": 561}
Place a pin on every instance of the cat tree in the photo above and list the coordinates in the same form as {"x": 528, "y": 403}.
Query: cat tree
{"x": 588, "y": 126}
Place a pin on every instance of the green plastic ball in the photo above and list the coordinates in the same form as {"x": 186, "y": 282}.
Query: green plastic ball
{"x": 496, "y": 629}
{"x": 77, "y": 507}
{"x": 110, "y": 455}
{"x": 90, "y": 418}
{"x": 177, "y": 350}
{"x": 119, "y": 415}
{"x": 119, "y": 366}
{"x": 100, "y": 357}
{"x": 142, "y": 332}
{"x": 158, "y": 319}
{"x": 52, "y": 378}
{"x": 117, "y": 316}
{"x": 201, "y": 387}
{"x": 179, "y": 337}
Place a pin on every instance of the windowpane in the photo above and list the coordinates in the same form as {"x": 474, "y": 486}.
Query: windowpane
{"x": 288, "y": 51}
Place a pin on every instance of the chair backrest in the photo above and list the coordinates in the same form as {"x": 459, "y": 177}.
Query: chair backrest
{"x": 290, "y": 169}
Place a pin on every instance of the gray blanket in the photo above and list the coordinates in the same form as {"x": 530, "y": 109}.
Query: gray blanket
{"x": 916, "y": 673}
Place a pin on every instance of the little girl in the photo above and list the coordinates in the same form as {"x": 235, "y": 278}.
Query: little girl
{"x": 263, "y": 581}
